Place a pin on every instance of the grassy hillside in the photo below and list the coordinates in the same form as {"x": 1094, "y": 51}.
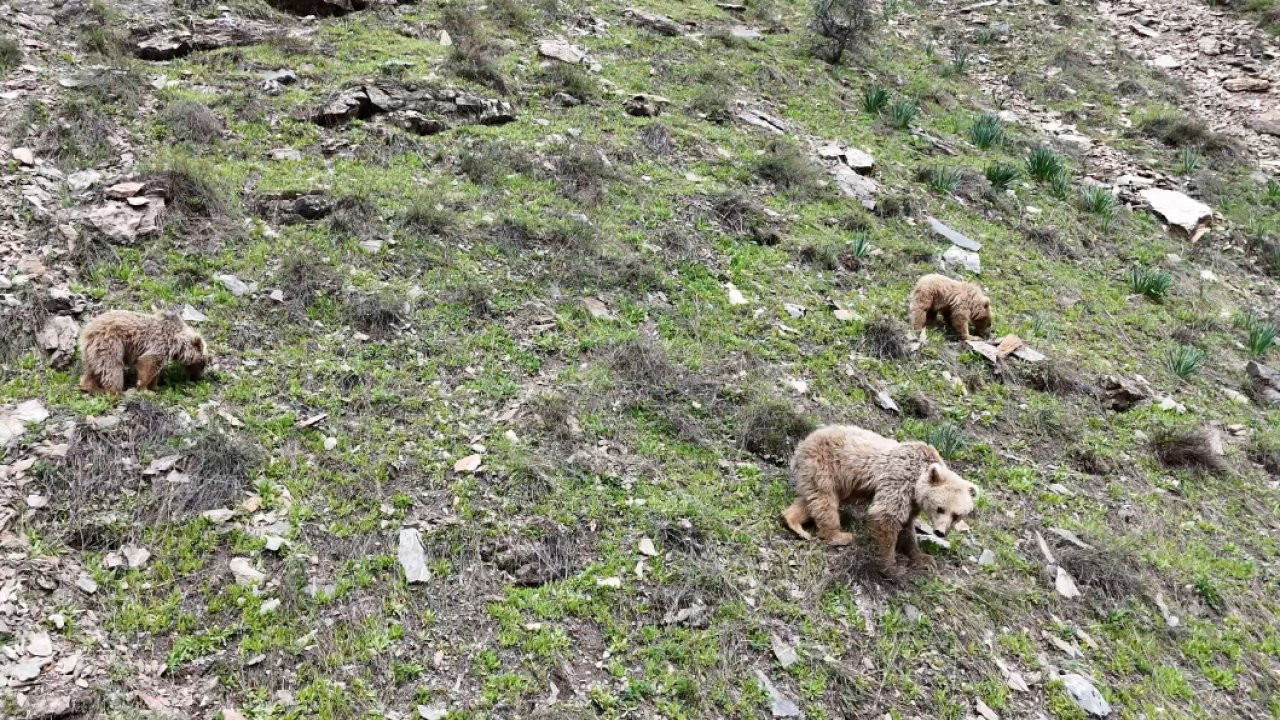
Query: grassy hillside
{"x": 521, "y": 339}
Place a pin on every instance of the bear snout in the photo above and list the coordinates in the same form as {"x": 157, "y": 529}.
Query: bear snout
{"x": 940, "y": 533}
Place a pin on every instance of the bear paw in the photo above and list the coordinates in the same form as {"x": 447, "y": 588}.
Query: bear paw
{"x": 840, "y": 539}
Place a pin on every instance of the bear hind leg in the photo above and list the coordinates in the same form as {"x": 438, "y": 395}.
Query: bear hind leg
{"x": 824, "y": 508}
{"x": 884, "y": 532}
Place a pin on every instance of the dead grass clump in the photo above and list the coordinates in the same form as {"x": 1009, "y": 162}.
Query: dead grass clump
{"x": 533, "y": 562}
{"x": 354, "y": 216}
{"x": 192, "y": 122}
{"x": 307, "y": 280}
{"x": 1115, "y": 575}
{"x": 552, "y": 414}
{"x": 645, "y": 377}
{"x": 1193, "y": 450}
{"x": 1180, "y": 131}
{"x": 582, "y": 173}
{"x": 10, "y": 53}
{"x": 657, "y": 139}
{"x": 76, "y": 134}
{"x": 1054, "y": 378}
{"x": 218, "y": 467}
{"x": 377, "y": 315}
{"x": 787, "y": 166}
{"x": 485, "y": 162}
{"x": 422, "y": 215}
{"x": 19, "y": 323}
{"x": 918, "y": 405}
{"x": 737, "y": 213}
{"x": 1266, "y": 452}
{"x": 1050, "y": 240}
{"x": 192, "y": 191}
{"x": 885, "y": 339}
{"x": 771, "y": 428}
{"x": 572, "y": 80}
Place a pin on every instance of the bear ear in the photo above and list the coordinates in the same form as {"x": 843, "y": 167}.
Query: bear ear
{"x": 973, "y": 491}
{"x": 936, "y": 476}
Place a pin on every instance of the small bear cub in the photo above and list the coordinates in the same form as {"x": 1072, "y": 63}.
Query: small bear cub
{"x": 837, "y": 464}
{"x": 959, "y": 303}
{"x": 118, "y": 340}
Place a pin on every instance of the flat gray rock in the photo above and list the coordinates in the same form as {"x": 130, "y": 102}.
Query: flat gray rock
{"x": 413, "y": 558}
{"x": 955, "y": 238}
{"x": 781, "y": 705}
{"x": 1085, "y": 695}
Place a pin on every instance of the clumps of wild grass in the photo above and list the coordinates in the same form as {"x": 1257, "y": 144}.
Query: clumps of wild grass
{"x": 1054, "y": 378}
{"x": 946, "y": 438}
{"x": 191, "y": 122}
{"x": 837, "y": 255}
{"x": 876, "y": 99}
{"x": 1099, "y": 201}
{"x": 1001, "y": 175}
{"x": 1271, "y": 192}
{"x": 472, "y": 57}
{"x": 76, "y": 134}
{"x": 987, "y": 131}
{"x": 1184, "y": 360}
{"x": 1187, "y": 449}
{"x": 787, "y": 166}
{"x": 842, "y": 26}
{"x": 885, "y": 339}
{"x": 377, "y": 314}
{"x": 902, "y": 112}
{"x": 1043, "y": 165}
{"x": 572, "y": 80}
{"x": 307, "y": 280}
{"x": 422, "y": 215}
{"x": 941, "y": 180}
{"x": 645, "y": 377}
{"x": 1260, "y": 333}
{"x": 512, "y": 14}
{"x": 771, "y": 429}
{"x": 1151, "y": 283}
{"x": 959, "y": 61}
{"x": 552, "y": 414}
{"x": 1114, "y": 575}
{"x": 220, "y": 466}
{"x": 1185, "y": 133}
{"x": 10, "y": 54}
{"x": 1188, "y": 161}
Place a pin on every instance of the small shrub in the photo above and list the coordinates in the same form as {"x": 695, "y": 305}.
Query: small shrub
{"x": 1188, "y": 161}
{"x": 474, "y": 63}
{"x": 1152, "y": 283}
{"x": 1043, "y": 164}
{"x": 713, "y": 102}
{"x": 10, "y": 54}
{"x": 886, "y": 340}
{"x": 787, "y": 166}
{"x": 512, "y": 14}
{"x": 376, "y": 315}
{"x": 1272, "y": 192}
{"x": 1184, "y": 360}
{"x": 1001, "y": 175}
{"x": 1209, "y": 593}
{"x": 875, "y": 99}
{"x": 191, "y": 188}
{"x": 987, "y": 131}
{"x": 843, "y": 24}
{"x": 1182, "y": 132}
{"x": 902, "y": 113}
{"x": 192, "y": 122}
{"x": 582, "y": 174}
{"x": 984, "y": 35}
{"x": 943, "y": 181}
{"x": 573, "y": 80}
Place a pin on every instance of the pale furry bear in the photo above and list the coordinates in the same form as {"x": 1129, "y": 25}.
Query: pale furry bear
{"x": 117, "y": 340}
{"x": 838, "y": 464}
{"x": 959, "y": 303}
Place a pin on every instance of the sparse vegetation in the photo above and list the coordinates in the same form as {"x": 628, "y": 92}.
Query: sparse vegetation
{"x": 191, "y": 122}
{"x": 787, "y": 166}
{"x": 941, "y": 180}
{"x": 10, "y": 54}
{"x": 1260, "y": 333}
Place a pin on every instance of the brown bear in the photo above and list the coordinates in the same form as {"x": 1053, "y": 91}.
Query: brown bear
{"x": 842, "y": 463}
{"x": 959, "y": 303}
{"x": 120, "y": 339}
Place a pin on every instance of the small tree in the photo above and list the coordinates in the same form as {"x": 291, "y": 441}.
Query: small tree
{"x": 843, "y": 23}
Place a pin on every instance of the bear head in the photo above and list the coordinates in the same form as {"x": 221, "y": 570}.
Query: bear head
{"x": 944, "y": 497}
{"x": 981, "y": 315}
{"x": 188, "y": 348}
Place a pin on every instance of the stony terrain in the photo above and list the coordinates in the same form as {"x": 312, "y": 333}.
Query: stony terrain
{"x": 518, "y": 308}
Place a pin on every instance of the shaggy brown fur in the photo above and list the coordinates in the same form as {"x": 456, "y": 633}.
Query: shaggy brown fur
{"x": 959, "y": 303}
{"x": 115, "y": 341}
{"x": 842, "y": 463}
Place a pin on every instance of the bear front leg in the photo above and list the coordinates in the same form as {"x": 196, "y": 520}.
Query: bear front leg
{"x": 149, "y": 368}
{"x": 907, "y": 545}
{"x": 884, "y": 532}
{"x": 960, "y": 323}
{"x": 796, "y": 516}
{"x": 824, "y": 508}
{"x": 89, "y": 383}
